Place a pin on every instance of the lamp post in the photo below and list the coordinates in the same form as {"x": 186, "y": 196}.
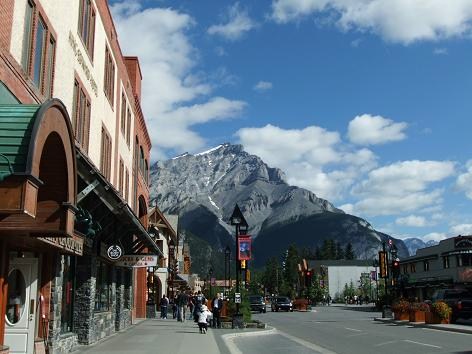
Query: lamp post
{"x": 227, "y": 268}
{"x": 237, "y": 219}
{"x": 171, "y": 267}
{"x": 375, "y": 264}
{"x": 210, "y": 273}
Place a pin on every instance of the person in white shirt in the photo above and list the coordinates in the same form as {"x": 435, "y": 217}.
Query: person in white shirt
{"x": 203, "y": 317}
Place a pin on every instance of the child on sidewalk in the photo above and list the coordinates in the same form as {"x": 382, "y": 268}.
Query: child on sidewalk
{"x": 203, "y": 317}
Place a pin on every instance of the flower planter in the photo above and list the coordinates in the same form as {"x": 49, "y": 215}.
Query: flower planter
{"x": 417, "y": 316}
{"x": 401, "y": 316}
{"x": 432, "y": 318}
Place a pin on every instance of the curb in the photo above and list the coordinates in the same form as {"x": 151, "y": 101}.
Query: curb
{"x": 439, "y": 327}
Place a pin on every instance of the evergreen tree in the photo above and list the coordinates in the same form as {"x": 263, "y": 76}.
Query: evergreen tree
{"x": 318, "y": 254}
{"x": 339, "y": 251}
{"x": 290, "y": 274}
{"x": 328, "y": 250}
{"x": 272, "y": 276}
{"x": 349, "y": 252}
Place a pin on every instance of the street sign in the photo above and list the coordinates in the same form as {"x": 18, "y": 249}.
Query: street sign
{"x": 237, "y": 298}
{"x": 114, "y": 252}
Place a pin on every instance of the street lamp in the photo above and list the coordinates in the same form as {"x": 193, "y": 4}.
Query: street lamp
{"x": 171, "y": 267}
{"x": 227, "y": 268}
{"x": 375, "y": 264}
{"x": 210, "y": 273}
{"x": 237, "y": 219}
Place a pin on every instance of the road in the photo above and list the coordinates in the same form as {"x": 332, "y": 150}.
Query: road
{"x": 343, "y": 331}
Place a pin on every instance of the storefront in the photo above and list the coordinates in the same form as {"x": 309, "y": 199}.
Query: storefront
{"x": 37, "y": 205}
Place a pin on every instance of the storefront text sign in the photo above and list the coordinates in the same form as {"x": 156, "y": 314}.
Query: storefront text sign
{"x": 73, "y": 244}
{"x": 137, "y": 261}
{"x": 114, "y": 252}
{"x": 463, "y": 242}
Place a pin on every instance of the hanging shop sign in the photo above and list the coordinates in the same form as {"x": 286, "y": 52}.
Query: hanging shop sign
{"x": 114, "y": 252}
{"x": 244, "y": 247}
{"x": 74, "y": 244}
{"x": 463, "y": 242}
{"x": 137, "y": 261}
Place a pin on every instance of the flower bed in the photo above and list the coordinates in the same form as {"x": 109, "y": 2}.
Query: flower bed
{"x": 401, "y": 310}
{"x": 417, "y": 311}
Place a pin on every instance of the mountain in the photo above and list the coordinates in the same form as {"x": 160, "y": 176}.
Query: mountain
{"x": 415, "y": 243}
{"x": 204, "y": 189}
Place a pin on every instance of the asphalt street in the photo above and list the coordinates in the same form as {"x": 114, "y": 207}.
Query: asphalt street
{"x": 344, "y": 331}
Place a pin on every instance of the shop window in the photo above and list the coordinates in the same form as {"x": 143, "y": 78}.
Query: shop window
{"x": 426, "y": 266}
{"x": 39, "y": 48}
{"x": 105, "y": 155}
{"x": 16, "y": 297}
{"x": 128, "y": 298}
{"x": 68, "y": 288}
{"x": 87, "y": 25}
{"x": 103, "y": 284}
{"x": 81, "y": 115}
{"x": 109, "y": 81}
{"x": 446, "y": 263}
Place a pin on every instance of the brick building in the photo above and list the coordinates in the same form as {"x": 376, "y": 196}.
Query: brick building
{"x": 74, "y": 174}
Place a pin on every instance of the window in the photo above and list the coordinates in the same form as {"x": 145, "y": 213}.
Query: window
{"x": 120, "y": 177}
{"x": 141, "y": 161}
{"x": 128, "y": 280}
{"x": 68, "y": 288}
{"x": 39, "y": 47}
{"x": 81, "y": 116}
{"x": 405, "y": 269}
{"x": 123, "y": 114}
{"x": 87, "y": 25}
{"x": 105, "y": 157}
{"x": 146, "y": 172}
{"x": 102, "y": 289}
{"x": 128, "y": 127}
{"x": 109, "y": 82}
{"x": 126, "y": 184}
{"x": 426, "y": 266}
{"x": 413, "y": 268}
{"x": 464, "y": 260}
{"x": 446, "y": 264}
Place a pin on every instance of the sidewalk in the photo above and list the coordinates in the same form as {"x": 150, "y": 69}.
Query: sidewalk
{"x": 157, "y": 336}
{"x": 442, "y": 327}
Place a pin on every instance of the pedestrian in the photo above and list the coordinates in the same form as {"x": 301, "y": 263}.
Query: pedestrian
{"x": 173, "y": 305}
{"x": 164, "y": 303}
{"x": 190, "y": 306}
{"x": 181, "y": 300}
{"x": 329, "y": 300}
{"x": 199, "y": 301}
{"x": 203, "y": 317}
{"x": 217, "y": 305}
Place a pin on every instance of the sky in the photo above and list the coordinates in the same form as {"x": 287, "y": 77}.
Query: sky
{"x": 367, "y": 103}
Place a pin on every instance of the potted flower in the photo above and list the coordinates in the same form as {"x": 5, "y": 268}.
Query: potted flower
{"x": 401, "y": 310}
{"x": 417, "y": 311}
{"x": 440, "y": 313}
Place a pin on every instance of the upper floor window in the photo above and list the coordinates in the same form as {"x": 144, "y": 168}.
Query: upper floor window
{"x": 405, "y": 269}
{"x": 426, "y": 266}
{"x": 105, "y": 155}
{"x": 87, "y": 24}
{"x": 446, "y": 262}
{"x": 81, "y": 115}
{"x": 120, "y": 177}
{"x": 128, "y": 127}
{"x": 109, "y": 82}
{"x": 413, "y": 268}
{"x": 126, "y": 184}
{"x": 123, "y": 114}
{"x": 39, "y": 48}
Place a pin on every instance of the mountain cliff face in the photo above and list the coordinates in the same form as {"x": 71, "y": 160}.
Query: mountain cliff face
{"x": 204, "y": 188}
{"x": 413, "y": 244}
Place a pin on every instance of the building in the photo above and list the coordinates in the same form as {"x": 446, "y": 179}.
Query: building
{"x": 336, "y": 274}
{"x": 74, "y": 174}
{"x": 445, "y": 265}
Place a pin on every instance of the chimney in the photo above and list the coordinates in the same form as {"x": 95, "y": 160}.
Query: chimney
{"x": 134, "y": 73}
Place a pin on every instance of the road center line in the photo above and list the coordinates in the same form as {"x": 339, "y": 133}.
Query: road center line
{"x": 426, "y": 345}
{"x": 385, "y": 343}
{"x": 352, "y": 329}
{"x": 306, "y": 343}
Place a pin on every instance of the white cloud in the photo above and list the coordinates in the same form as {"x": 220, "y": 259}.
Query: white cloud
{"x": 403, "y": 21}
{"x": 263, "y": 86}
{"x": 434, "y": 236}
{"x": 370, "y": 130}
{"x": 220, "y": 51}
{"x": 401, "y": 187}
{"x": 168, "y": 62}
{"x": 464, "y": 180}
{"x": 440, "y": 51}
{"x": 461, "y": 229}
{"x": 238, "y": 23}
{"x": 347, "y": 208}
{"x": 412, "y": 220}
{"x": 313, "y": 157}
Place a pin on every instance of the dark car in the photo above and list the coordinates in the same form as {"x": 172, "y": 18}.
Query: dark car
{"x": 460, "y": 301}
{"x": 282, "y": 303}
{"x": 257, "y": 303}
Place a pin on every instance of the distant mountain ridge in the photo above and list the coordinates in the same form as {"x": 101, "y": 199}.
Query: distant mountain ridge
{"x": 204, "y": 188}
{"x": 413, "y": 244}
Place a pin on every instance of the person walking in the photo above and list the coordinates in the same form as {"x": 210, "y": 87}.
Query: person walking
{"x": 199, "y": 300}
{"x": 217, "y": 305}
{"x": 181, "y": 301}
{"x": 164, "y": 303}
{"x": 203, "y": 317}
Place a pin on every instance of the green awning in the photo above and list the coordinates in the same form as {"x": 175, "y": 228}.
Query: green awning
{"x": 16, "y": 125}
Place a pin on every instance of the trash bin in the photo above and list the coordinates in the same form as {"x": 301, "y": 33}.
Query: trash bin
{"x": 387, "y": 312}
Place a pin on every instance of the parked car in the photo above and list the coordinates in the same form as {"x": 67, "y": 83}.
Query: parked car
{"x": 281, "y": 303}
{"x": 460, "y": 300}
{"x": 257, "y": 303}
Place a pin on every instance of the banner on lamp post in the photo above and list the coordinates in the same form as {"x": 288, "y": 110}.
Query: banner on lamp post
{"x": 244, "y": 247}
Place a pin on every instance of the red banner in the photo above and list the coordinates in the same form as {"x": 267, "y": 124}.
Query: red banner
{"x": 244, "y": 247}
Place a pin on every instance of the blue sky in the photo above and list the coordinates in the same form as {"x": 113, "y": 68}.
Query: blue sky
{"x": 365, "y": 102}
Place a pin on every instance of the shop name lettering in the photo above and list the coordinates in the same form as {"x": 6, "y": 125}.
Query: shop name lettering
{"x": 69, "y": 244}
{"x": 464, "y": 242}
{"x": 81, "y": 60}
{"x": 132, "y": 259}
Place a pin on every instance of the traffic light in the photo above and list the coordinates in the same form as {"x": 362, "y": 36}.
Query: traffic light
{"x": 308, "y": 276}
{"x": 176, "y": 267}
{"x": 396, "y": 268}
{"x": 243, "y": 264}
